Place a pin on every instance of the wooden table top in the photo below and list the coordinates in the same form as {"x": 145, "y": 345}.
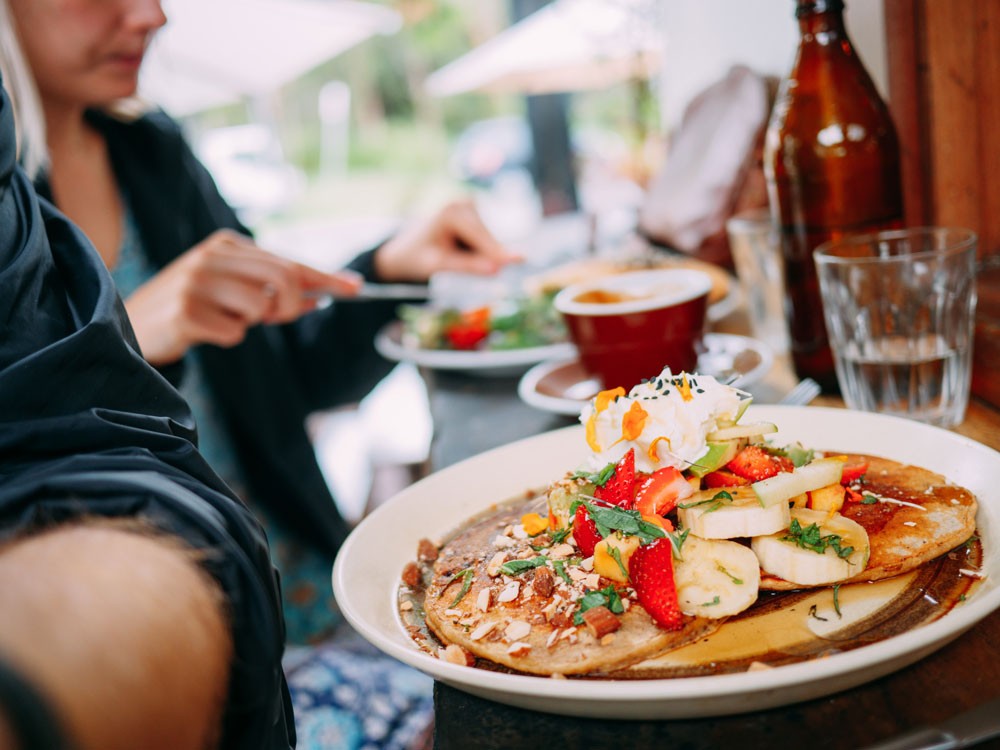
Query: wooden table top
{"x": 957, "y": 677}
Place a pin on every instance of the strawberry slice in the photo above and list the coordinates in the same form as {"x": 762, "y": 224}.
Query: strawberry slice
{"x": 722, "y": 478}
{"x": 585, "y": 531}
{"x": 756, "y": 464}
{"x": 853, "y": 471}
{"x": 620, "y": 488}
{"x": 651, "y": 573}
{"x": 659, "y": 492}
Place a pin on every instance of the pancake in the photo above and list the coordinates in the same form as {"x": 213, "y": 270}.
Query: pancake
{"x": 533, "y": 631}
{"x": 919, "y": 516}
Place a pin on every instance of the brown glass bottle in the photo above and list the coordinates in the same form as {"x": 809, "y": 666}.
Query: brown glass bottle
{"x": 831, "y": 158}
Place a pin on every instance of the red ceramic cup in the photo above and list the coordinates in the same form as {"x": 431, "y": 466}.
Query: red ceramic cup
{"x": 628, "y": 327}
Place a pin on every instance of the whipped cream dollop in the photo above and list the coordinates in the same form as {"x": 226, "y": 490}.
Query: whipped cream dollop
{"x": 666, "y": 419}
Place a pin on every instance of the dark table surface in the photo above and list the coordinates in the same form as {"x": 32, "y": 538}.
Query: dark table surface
{"x": 474, "y": 413}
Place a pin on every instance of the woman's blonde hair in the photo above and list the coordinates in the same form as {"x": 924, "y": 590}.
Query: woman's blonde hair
{"x": 29, "y": 120}
{"x": 26, "y": 103}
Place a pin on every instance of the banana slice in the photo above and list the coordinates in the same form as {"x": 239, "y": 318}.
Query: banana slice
{"x": 715, "y": 578}
{"x": 711, "y": 515}
{"x": 823, "y": 559}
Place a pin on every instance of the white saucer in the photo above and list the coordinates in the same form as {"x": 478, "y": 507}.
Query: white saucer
{"x": 563, "y": 386}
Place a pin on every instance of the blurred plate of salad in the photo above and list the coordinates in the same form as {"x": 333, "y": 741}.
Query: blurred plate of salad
{"x": 503, "y": 337}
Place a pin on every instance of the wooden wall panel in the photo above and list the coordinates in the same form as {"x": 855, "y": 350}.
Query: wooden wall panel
{"x": 944, "y": 91}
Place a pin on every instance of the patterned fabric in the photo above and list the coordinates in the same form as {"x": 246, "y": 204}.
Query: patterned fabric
{"x": 349, "y": 696}
{"x": 346, "y": 695}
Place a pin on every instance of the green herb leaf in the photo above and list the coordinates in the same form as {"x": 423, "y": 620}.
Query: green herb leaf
{"x": 810, "y": 538}
{"x": 600, "y": 478}
{"x": 868, "y": 499}
{"x": 608, "y": 519}
{"x": 516, "y": 567}
{"x": 677, "y": 539}
{"x": 715, "y": 600}
{"x": 796, "y": 453}
{"x": 616, "y": 555}
{"x": 607, "y": 597}
{"x": 734, "y": 579}
{"x": 836, "y": 599}
{"x": 466, "y": 576}
{"x": 560, "y": 567}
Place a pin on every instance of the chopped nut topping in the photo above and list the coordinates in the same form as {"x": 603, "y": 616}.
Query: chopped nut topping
{"x": 519, "y": 649}
{"x": 503, "y": 542}
{"x": 517, "y": 630}
{"x": 600, "y": 621}
{"x": 427, "y": 550}
{"x": 453, "y": 613}
{"x": 588, "y": 563}
{"x": 456, "y": 655}
{"x": 543, "y": 582}
{"x": 509, "y": 592}
{"x": 608, "y": 639}
{"x": 758, "y": 666}
{"x": 592, "y": 581}
{"x": 482, "y": 630}
{"x": 493, "y": 566}
{"x": 411, "y": 575}
{"x": 483, "y": 600}
{"x": 561, "y": 551}
{"x": 406, "y": 606}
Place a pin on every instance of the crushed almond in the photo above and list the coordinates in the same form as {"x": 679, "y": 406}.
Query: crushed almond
{"x": 482, "y": 631}
{"x": 493, "y": 566}
{"x": 510, "y": 592}
{"x": 519, "y": 649}
{"x": 516, "y": 630}
{"x": 483, "y": 600}
{"x": 455, "y": 654}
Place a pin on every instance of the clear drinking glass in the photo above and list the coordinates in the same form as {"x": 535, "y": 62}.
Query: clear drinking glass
{"x": 899, "y": 309}
{"x": 757, "y": 256}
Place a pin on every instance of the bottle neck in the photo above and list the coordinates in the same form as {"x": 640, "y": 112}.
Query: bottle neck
{"x": 821, "y": 20}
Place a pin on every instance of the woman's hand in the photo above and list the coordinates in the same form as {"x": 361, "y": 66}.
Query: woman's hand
{"x": 455, "y": 239}
{"x": 217, "y": 290}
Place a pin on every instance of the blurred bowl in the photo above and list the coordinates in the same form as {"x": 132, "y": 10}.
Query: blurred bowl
{"x": 630, "y": 326}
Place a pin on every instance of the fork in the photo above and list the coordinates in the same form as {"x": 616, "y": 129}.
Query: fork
{"x": 804, "y": 391}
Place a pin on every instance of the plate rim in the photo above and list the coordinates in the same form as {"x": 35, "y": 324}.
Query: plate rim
{"x": 685, "y": 697}
{"x": 527, "y": 385}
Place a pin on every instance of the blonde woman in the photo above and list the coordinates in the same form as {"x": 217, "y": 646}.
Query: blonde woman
{"x": 221, "y": 318}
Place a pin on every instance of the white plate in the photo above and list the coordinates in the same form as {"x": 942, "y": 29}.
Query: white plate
{"x": 389, "y": 343}
{"x": 367, "y": 570}
{"x": 563, "y": 386}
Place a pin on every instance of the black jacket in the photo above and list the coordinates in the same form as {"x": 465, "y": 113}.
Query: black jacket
{"x": 268, "y": 384}
{"x": 87, "y": 427}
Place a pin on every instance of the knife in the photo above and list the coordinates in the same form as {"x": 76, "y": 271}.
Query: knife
{"x": 373, "y": 292}
{"x": 964, "y": 730}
